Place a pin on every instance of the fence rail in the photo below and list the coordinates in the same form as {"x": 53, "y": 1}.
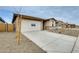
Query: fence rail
{"x": 7, "y": 27}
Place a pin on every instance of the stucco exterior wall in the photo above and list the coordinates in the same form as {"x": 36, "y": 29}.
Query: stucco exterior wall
{"x": 26, "y": 25}
{"x": 54, "y": 23}
{"x": 48, "y": 23}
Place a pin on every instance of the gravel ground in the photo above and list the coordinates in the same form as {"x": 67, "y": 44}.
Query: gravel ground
{"x": 8, "y": 44}
{"x": 71, "y": 32}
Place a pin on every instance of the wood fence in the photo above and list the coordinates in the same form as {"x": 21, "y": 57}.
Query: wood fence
{"x": 2, "y": 27}
{"x": 7, "y": 27}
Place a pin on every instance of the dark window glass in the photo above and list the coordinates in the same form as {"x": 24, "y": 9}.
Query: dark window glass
{"x": 33, "y": 24}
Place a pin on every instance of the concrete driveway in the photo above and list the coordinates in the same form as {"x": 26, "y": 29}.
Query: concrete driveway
{"x": 76, "y": 48}
{"x": 52, "y": 42}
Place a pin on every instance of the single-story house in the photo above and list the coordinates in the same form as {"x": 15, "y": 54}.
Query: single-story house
{"x": 70, "y": 25}
{"x": 53, "y": 20}
{"x": 51, "y": 25}
{"x": 56, "y": 23}
{"x": 30, "y": 23}
{"x": 24, "y": 23}
{"x": 60, "y": 23}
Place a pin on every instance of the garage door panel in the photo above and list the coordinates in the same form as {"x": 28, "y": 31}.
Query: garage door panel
{"x": 30, "y": 25}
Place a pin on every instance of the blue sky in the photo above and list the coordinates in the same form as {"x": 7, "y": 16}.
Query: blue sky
{"x": 65, "y": 13}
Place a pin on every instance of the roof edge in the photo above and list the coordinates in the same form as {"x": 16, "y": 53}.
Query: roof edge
{"x": 26, "y": 17}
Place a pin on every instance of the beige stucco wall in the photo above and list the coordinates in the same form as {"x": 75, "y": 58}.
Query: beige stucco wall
{"x": 26, "y": 25}
{"x": 48, "y": 23}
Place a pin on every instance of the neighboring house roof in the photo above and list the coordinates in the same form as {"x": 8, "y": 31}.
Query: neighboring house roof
{"x": 2, "y": 20}
{"x": 26, "y": 17}
{"x": 52, "y": 19}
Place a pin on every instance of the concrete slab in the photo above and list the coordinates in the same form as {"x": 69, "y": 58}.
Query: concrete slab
{"x": 51, "y": 42}
{"x": 59, "y": 46}
{"x": 76, "y": 49}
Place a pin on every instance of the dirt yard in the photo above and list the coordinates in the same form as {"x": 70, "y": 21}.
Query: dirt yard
{"x": 8, "y": 44}
{"x": 71, "y": 32}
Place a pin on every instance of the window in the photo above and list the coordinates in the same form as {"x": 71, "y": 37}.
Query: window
{"x": 33, "y": 24}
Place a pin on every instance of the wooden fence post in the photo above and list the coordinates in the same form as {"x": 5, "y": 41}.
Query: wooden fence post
{"x": 18, "y": 29}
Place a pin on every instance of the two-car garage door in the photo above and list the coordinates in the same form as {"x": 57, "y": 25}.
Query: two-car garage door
{"x": 31, "y": 25}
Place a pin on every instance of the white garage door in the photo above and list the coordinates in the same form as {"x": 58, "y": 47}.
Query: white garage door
{"x": 31, "y": 25}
